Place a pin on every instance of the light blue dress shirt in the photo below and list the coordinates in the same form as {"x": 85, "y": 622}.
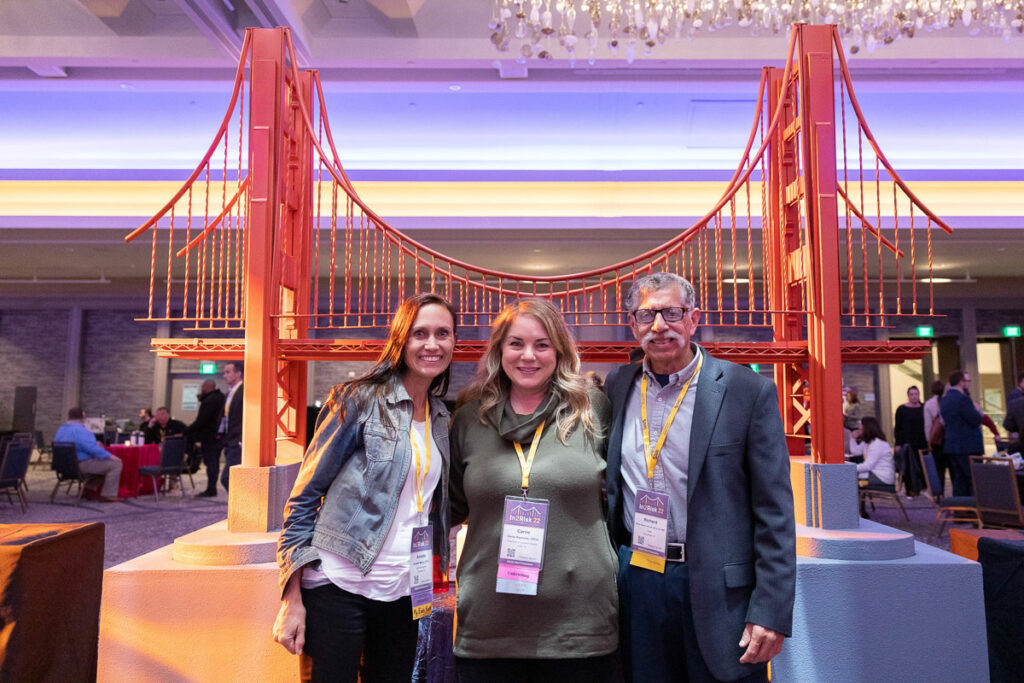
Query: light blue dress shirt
{"x": 671, "y": 472}
{"x": 84, "y": 440}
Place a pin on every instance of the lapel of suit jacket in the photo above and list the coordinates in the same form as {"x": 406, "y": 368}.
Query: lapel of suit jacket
{"x": 706, "y": 406}
{"x": 619, "y": 395}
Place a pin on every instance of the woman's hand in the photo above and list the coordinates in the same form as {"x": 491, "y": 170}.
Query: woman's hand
{"x": 290, "y": 625}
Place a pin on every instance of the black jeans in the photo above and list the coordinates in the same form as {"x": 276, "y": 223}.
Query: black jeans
{"x": 210, "y": 450}
{"x": 342, "y": 628}
{"x": 585, "y": 670}
{"x": 960, "y": 472}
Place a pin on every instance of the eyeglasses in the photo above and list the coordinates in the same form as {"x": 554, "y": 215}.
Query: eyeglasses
{"x": 672, "y": 314}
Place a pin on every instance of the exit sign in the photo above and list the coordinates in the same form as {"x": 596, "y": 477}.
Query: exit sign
{"x": 755, "y": 367}
{"x": 925, "y": 331}
{"x": 207, "y": 368}
{"x": 1011, "y": 331}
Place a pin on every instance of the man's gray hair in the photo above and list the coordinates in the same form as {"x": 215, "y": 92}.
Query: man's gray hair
{"x": 656, "y": 282}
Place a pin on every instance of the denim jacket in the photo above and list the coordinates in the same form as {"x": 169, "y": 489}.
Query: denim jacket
{"x": 347, "y": 490}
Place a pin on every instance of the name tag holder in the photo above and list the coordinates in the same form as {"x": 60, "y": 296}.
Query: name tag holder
{"x": 421, "y": 571}
{"x": 650, "y": 530}
{"x": 523, "y": 535}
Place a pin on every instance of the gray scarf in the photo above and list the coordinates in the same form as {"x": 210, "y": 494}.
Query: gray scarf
{"x": 521, "y": 428}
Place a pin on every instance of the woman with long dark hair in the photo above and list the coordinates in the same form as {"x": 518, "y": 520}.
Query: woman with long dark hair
{"x": 878, "y": 466}
{"x": 537, "y": 598}
{"x": 371, "y": 495}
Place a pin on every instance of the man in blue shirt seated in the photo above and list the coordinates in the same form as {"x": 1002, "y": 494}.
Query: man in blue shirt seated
{"x": 92, "y": 457}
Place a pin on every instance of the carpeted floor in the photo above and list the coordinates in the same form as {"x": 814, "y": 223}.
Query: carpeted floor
{"x": 133, "y": 527}
{"x": 140, "y": 525}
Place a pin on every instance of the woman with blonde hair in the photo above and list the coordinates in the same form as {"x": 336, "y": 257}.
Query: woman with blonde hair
{"x": 355, "y": 549}
{"x": 537, "y": 598}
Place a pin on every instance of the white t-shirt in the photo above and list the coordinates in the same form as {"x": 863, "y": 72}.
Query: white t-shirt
{"x": 388, "y": 578}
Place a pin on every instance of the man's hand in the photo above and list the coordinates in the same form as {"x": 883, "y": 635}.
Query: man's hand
{"x": 762, "y": 644}
{"x": 290, "y": 626}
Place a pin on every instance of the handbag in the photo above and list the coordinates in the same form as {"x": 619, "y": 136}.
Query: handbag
{"x": 938, "y": 435}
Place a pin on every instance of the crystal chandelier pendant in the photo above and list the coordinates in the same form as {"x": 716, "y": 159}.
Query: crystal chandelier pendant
{"x": 646, "y": 24}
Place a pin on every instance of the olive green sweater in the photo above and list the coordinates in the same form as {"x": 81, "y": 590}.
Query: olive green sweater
{"x": 575, "y": 611}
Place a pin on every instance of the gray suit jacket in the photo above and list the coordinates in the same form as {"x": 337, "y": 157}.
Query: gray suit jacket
{"x": 741, "y": 540}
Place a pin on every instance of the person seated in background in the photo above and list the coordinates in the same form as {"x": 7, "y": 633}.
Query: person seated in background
{"x": 145, "y": 415}
{"x": 92, "y": 457}
{"x": 162, "y": 426}
{"x": 878, "y": 467}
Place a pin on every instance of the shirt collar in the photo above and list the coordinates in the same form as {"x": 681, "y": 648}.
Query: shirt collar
{"x": 682, "y": 375}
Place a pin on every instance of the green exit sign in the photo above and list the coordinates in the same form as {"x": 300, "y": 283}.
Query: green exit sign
{"x": 207, "y": 368}
{"x": 1011, "y": 331}
{"x": 925, "y": 331}
{"x": 755, "y": 367}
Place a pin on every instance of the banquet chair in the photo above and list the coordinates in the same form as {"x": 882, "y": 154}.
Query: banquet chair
{"x": 13, "y": 469}
{"x": 172, "y": 462}
{"x": 24, "y": 438}
{"x": 954, "y": 508}
{"x": 887, "y": 491}
{"x": 65, "y": 464}
{"x": 996, "y": 493}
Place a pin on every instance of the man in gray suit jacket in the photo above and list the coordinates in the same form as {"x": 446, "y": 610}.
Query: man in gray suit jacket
{"x": 709, "y": 597}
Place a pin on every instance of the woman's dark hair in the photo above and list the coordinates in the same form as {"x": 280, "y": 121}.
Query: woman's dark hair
{"x": 913, "y": 388}
{"x": 870, "y": 429}
{"x": 391, "y": 362}
{"x": 938, "y": 387}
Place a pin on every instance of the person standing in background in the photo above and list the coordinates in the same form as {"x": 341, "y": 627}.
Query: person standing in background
{"x": 963, "y": 431}
{"x": 852, "y": 412}
{"x": 231, "y": 424}
{"x": 909, "y": 429}
{"x": 204, "y": 430}
{"x": 1017, "y": 392}
{"x": 936, "y": 431}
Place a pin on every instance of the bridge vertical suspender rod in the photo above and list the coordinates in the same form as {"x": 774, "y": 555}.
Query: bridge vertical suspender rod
{"x": 825, "y": 374}
{"x": 260, "y": 388}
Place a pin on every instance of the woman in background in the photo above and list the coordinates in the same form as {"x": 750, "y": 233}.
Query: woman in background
{"x": 375, "y": 470}
{"x": 530, "y": 425}
{"x": 852, "y": 410}
{"x": 909, "y": 426}
{"x": 878, "y": 467}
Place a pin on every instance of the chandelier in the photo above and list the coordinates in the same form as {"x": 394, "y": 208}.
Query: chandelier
{"x": 538, "y": 27}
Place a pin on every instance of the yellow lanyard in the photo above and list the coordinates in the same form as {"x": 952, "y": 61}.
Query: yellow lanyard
{"x": 652, "y": 456}
{"x": 526, "y": 462}
{"x": 419, "y": 482}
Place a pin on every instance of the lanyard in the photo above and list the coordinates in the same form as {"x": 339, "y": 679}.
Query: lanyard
{"x": 418, "y": 481}
{"x": 526, "y": 462}
{"x": 652, "y": 456}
